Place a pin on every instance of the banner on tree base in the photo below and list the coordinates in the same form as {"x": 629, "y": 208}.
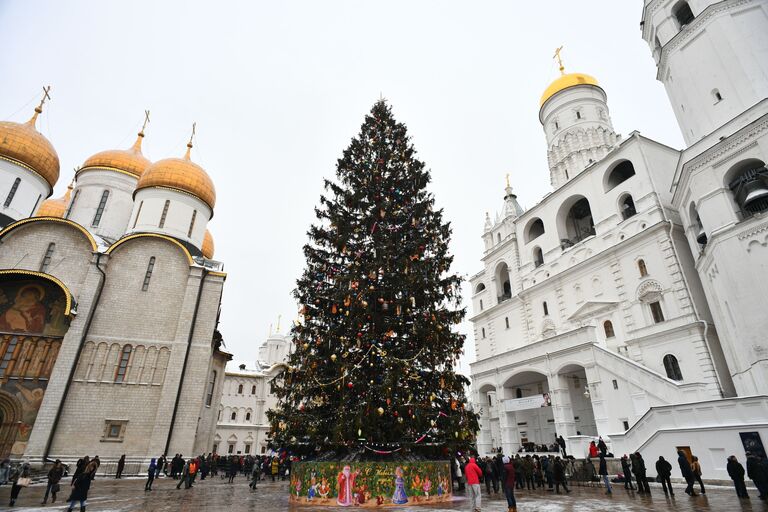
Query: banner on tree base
{"x": 528, "y": 402}
{"x": 370, "y": 484}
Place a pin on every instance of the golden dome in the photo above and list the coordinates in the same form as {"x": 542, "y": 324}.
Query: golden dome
{"x": 22, "y": 144}
{"x": 180, "y": 174}
{"x": 564, "y": 82}
{"x": 127, "y": 160}
{"x": 207, "y": 248}
{"x": 55, "y": 207}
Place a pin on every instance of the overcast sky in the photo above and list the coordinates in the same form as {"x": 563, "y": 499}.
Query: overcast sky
{"x": 278, "y": 89}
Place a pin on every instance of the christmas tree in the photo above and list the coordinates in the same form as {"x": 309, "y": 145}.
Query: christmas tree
{"x": 373, "y": 367}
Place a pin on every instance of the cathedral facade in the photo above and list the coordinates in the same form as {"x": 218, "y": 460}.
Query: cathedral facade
{"x": 109, "y": 304}
{"x": 628, "y": 303}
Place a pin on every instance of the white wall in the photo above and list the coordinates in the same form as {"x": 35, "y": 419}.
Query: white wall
{"x": 32, "y": 190}
{"x": 149, "y": 204}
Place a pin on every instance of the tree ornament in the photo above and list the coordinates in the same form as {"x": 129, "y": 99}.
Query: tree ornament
{"x": 380, "y": 410}
{"x": 333, "y": 357}
{"x": 350, "y": 385}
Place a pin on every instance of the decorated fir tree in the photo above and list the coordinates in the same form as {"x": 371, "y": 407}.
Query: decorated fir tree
{"x": 373, "y": 368}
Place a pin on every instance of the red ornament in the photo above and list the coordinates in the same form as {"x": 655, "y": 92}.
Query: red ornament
{"x": 350, "y": 385}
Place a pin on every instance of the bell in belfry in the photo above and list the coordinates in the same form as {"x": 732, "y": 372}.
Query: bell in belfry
{"x": 751, "y": 189}
{"x": 701, "y": 236}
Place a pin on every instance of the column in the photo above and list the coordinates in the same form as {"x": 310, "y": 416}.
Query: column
{"x": 565, "y": 425}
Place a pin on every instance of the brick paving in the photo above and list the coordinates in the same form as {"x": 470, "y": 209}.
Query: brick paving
{"x": 109, "y": 495}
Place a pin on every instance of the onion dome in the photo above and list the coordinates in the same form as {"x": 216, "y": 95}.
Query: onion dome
{"x": 55, "y": 207}
{"x": 180, "y": 174}
{"x": 23, "y": 145}
{"x": 207, "y": 248}
{"x": 566, "y": 81}
{"x": 129, "y": 160}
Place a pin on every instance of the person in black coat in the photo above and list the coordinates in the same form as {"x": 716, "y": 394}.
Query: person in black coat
{"x": 120, "y": 467}
{"x": 558, "y": 473}
{"x": 602, "y": 447}
{"x": 664, "y": 472}
{"x": 757, "y": 473}
{"x": 736, "y": 472}
{"x": 561, "y": 444}
{"x": 687, "y": 472}
{"x": 603, "y": 472}
{"x": 80, "y": 488}
{"x": 627, "y": 470}
{"x": 638, "y": 466}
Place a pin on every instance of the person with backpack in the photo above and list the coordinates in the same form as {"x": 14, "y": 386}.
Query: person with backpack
{"x": 696, "y": 468}
{"x": 687, "y": 472}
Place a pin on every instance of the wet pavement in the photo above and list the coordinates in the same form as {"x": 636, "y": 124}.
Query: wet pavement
{"x": 128, "y": 495}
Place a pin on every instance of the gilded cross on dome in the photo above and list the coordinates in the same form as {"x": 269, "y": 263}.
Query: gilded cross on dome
{"x": 559, "y": 59}
{"x": 507, "y": 179}
{"x": 46, "y": 96}
{"x": 146, "y": 121}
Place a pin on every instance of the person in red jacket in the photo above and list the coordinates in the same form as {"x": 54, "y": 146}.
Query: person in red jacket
{"x": 509, "y": 484}
{"x": 473, "y": 474}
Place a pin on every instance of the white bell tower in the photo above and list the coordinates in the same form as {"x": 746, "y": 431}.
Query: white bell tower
{"x": 712, "y": 57}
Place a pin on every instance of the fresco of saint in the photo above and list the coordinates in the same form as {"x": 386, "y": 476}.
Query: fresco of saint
{"x": 27, "y": 314}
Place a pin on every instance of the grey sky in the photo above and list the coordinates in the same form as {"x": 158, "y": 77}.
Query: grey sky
{"x": 279, "y": 88}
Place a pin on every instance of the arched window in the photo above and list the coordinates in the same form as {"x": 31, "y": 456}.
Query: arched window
{"x": 192, "y": 224}
{"x": 480, "y": 287}
{"x": 148, "y": 274}
{"x": 503, "y": 282}
{"x": 538, "y": 257}
{"x": 122, "y": 367}
{"x": 642, "y": 268}
{"x": 72, "y": 204}
{"x": 164, "y": 215}
{"x": 247, "y": 416}
{"x": 672, "y": 367}
{"x": 698, "y": 227}
{"x": 498, "y": 237}
{"x": 717, "y": 96}
{"x": 240, "y": 389}
{"x": 682, "y": 13}
{"x": 535, "y": 230}
{"x": 656, "y": 312}
{"x": 506, "y": 321}
{"x": 141, "y": 205}
{"x": 545, "y": 308}
{"x": 481, "y": 304}
{"x": 253, "y": 389}
{"x": 483, "y": 332}
{"x": 12, "y": 192}
{"x": 519, "y": 393}
{"x": 619, "y": 174}
{"x": 627, "y": 207}
{"x": 47, "y": 257}
{"x": 211, "y": 385}
{"x": 578, "y": 223}
{"x": 233, "y": 417}
{"x": 748, "y": 181}
{"x": 608, "y": 328}
{"x": 100, "y": 208}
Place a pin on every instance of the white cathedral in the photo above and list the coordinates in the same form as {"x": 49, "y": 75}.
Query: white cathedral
{"x": 632, "y": 297}
{"x": 109, "y": 302}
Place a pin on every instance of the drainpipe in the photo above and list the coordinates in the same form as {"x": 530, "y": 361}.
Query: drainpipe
{"x": 186, "y": 358}
{"x": 86, "y": 330}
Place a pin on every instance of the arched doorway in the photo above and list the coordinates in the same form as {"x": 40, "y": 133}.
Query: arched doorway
{"x": 528, "y": 413}
{"x": 580, "y": 396}
{"x": 489, "y": 436}
{"x": 10, "y": 417}
{"x": 503, "y": 284}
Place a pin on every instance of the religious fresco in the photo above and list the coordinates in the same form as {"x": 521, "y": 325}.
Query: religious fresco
{"x": 32, "y": 323}
{"x": 33, "y": 306}
{"x": 370, "y": 484}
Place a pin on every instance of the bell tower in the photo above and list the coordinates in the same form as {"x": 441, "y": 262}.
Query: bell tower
{"x": 711, "y": 56}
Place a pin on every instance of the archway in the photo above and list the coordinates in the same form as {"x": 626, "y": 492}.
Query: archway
{"x": 528, "y": 413}
{"x": 489, "y": 436}
{"x": 575, "y": 221}
{"x": 503, "y": 284}
{"x": 10, "y": 417}
{"x": 580, "y": 396}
